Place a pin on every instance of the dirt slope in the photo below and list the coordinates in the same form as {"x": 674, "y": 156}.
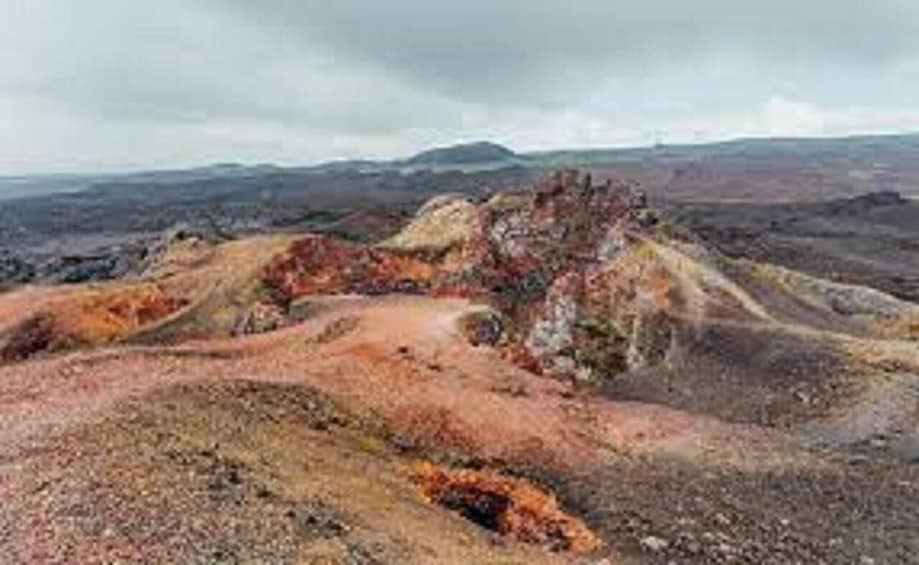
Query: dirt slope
{"x": 419, "y": 392}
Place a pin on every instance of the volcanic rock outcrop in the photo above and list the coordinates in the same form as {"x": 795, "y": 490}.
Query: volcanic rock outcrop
{"x": 532, "y": 255}
{"x": 586, "y": 278}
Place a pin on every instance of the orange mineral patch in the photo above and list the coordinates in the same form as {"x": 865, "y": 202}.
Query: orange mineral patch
{"x": 511, "y": 507}
{"x": 324, "y": 265}
{"x": 93, "y": 317}
{"x": 901, "y": 328}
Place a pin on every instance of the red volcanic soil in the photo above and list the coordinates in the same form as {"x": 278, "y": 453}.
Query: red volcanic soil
{"x": 87, "y": 319}
{"x": 405, "y": 367}
{"x": 402, "y": 360}
{"x": 325, "y": 265}
{"x": 514, "y": 508}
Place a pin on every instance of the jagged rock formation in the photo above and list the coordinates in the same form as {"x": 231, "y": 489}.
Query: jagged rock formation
{"x": 530, "y": 254}
{"x": 590, "y": 282}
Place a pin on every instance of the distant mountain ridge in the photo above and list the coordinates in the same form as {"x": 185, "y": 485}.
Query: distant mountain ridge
{"x": 463, "y": 154}
{"x": 749, "y": 169}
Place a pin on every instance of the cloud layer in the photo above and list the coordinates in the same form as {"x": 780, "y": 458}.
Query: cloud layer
{"x": 104, "y": 84}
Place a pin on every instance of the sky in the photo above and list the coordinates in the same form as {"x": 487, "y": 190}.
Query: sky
{"x": 95, "y": 85}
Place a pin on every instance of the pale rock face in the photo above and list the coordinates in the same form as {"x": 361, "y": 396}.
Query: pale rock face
{"x": 509, "y": 234}
{"x": 437, "y": 202}
{"x": 612, "y": 244}
{"x": 653, "y": 339}
{"x": 507, "y": 201}
{"x": 848, "y": 300}
{"x": 442, "y": 223}
{"x": 553, "y": 332}
{"x": 260, "y": 318}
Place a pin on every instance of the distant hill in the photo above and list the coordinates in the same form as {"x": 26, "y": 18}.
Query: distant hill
{"x": 40, "y": 185}
{"x": 764, "y": 170}
{"x": 840, "y": 148}
{"x": 463, "y": 154}
{"x": 30, "y": 186}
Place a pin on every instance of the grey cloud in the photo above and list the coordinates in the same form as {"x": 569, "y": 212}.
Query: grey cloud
{"x": 197, "y": 78}
{"x": 183, "y": 62}
{"x": 506, "y": 49}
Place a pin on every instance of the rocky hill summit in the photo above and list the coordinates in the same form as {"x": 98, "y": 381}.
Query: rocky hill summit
{"x": 463, "y": 154}
{"x": 583, "y": 278}
{"x": 536, "y": 256}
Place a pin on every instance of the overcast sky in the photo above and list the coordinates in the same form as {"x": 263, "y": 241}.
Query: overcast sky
{"x": 119, "y": 84}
